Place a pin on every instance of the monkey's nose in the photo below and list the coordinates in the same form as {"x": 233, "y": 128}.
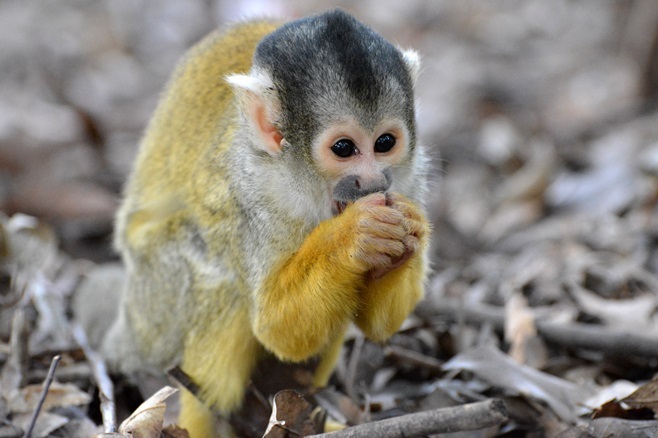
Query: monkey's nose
{"x": 366, "y": 186}
{"x": 353, "y": 187}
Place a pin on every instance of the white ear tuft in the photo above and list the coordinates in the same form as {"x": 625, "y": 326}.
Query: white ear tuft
{"x": 257, "y": 81}
{"x": 412, "y": 60}
{"x": 259, "y": 104}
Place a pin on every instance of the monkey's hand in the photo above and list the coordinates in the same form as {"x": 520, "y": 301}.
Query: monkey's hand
{"x": 412, "y": 231}
{"x": 308, "y": 299}
{"x": 395, "y": 287}
{"x": 381, "y": 241}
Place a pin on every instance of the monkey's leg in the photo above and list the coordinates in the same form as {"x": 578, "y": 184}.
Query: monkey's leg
{"x": 220, "y": 360}
{"x": 196, "y": 417}
{"x": 328, "y": 361}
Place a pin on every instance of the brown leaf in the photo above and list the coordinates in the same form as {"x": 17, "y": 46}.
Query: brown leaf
{"x": 173, "y": 431}
{"x": 47, "y": 423}
{"x": 646, "y": 396}
{"x": 293, "y": 416}
{"x": 146, "y": 421}
{"x": 59, "y": 395}
{"x": 341, "y": 407}
{"x": 614, "y": 408}
{"x": 611, "y": 408}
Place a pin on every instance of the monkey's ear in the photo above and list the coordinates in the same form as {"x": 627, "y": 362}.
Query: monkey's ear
{"x": 258, "y": 100}
{"x": 411, "y": 59}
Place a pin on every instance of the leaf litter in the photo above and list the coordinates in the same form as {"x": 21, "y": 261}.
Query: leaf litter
{"x": 542, "y": 124}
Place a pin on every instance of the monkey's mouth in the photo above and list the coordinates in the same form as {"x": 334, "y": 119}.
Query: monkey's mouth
{"x": 337, "y": 207}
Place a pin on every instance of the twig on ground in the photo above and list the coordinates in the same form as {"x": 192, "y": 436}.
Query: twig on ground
{"x": 472, "y": 416}
{"x": 14, "y": 372}
{"x": 575, "y": 335}
{"x": 350, "y": 378}
{"x": 102, "y": 378}
{"x": 414, "y": 358}
{"x": 44, "y": 393}
{"x": 184, "y": 380}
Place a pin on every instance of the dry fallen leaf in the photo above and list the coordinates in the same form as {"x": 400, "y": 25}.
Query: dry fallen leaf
{"x": 46, "y": 423}
{"x": 59, "y": 395}
{"x": 617, "y": 390}
{"x": 292, "y": 416}
{"x": 646, "y": 396}
{"x": 519, "y": 326}
{"x": 173, "y": 431}
{"x": 633, "y": 314}
{"x": 616, "y": 409}
{"x": 146, "y": 421}
{"x": 23, "y": 402}
{"x": 500, "y": 370}
{"x": 340, "y": 407}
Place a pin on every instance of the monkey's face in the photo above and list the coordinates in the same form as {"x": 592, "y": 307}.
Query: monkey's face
{"x": 357, "y": 161}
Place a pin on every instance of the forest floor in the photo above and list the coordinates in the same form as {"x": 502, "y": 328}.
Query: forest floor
{"x": 541, "y": 119}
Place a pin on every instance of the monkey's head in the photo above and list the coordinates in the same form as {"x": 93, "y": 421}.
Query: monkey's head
{"x": 330, "y": 103}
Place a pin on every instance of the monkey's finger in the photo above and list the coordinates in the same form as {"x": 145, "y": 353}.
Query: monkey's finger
{"x": 388, "y": 224}
{"x": 396, "y": 198}
{"x": 399, "y": 261}
{"x": 378, "y": 245}
{"x": 405, "y": 206}
{"x": 387, "y": 214}
{"x": 375, "y": 260}
{"x": 414, "y": 220}
{"x": 395, "y": 263}
{"x": 384, "y": 230}
{"x": 378, "y": 198}
{"x": 414, "y": 228}
{"x": 411, "y": 243}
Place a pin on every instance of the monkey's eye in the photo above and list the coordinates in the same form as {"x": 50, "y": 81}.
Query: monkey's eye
{"x": 384, "y": 143}
{"x": 344, "y": 148}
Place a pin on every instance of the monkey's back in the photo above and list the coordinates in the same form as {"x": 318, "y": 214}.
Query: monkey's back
{"x": 193, "y": 115}
{"x": 178, "y": 215}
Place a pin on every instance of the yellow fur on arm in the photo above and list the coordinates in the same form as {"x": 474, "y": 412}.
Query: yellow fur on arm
{"x": 386, "y": 302}
{"x": 310, "y": 299}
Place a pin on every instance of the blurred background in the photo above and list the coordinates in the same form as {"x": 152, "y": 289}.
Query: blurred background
{"x": 529, "y": 108}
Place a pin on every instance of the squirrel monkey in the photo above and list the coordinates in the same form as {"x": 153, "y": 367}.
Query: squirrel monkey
{"x": 276, "y": 198}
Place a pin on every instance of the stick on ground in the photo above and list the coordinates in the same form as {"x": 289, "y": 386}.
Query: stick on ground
{"x": 574, "y": 335}
{"x": 103, "y": 381}
{"x": 44, "y": 393}
{"x": 472, "y": 416}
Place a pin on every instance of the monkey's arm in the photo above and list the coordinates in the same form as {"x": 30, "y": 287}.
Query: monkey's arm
{"x": 307, "y": 302}
{"x": 309, "y": 299}
{"x": 387, "y": 300}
